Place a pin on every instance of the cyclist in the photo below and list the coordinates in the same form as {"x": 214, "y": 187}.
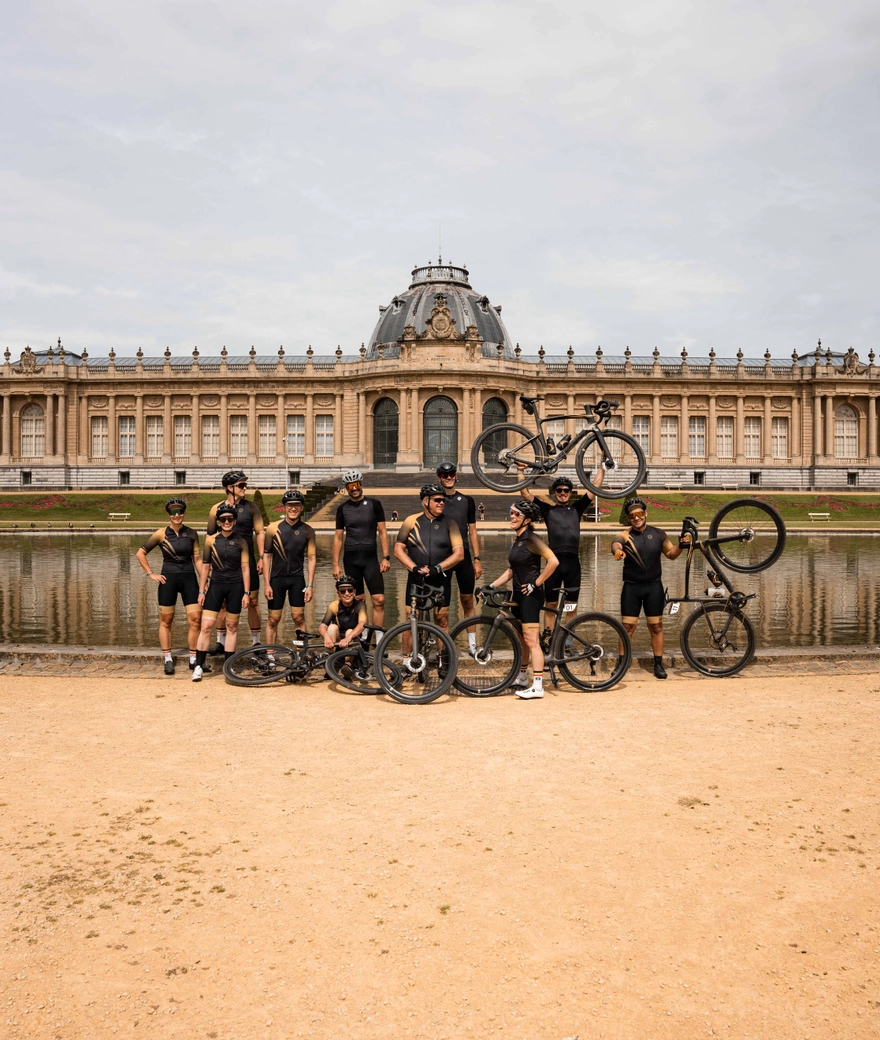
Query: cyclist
{"x": 181, "y": 572}
{"x": 563, "y": 536}
{"x": 525, "y": 558}
{"x": 358, "y": 521}
{"x": 290, "y": 550}
{"x": 346, "y": 616}
{"x": 462, "y": 509}
{"x": 429, "y": 545}
{"x": 225, "y": 582}
{"x": 640, "y": 547}
{"x": 249, "y": 524}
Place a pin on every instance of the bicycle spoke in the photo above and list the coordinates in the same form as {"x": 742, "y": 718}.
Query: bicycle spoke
{"x": 507, "y": 457}
{"x": 717, "y": 640}
{"x": 753, "y": 535}
{"x": 494, "y": 662}
{"x": 416, "y": 674}
{"x": 594, "y": 650}
{"x": 258, "y": 665}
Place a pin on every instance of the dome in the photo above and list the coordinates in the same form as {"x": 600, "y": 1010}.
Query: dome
{"x": 466, "y": 307}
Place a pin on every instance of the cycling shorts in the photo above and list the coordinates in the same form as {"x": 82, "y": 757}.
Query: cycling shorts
{"x": 566, "y": 576}
{"x": 527, "y": 609}
{"x": 255, "y": 575}
{"x": 185, "y": 585}
{"x": 634, "y": 597}
{"x": 228, "y": 594}
{"x": 444, "y": 583}
{"x": 363, "y": 566}
{"x": 464, "y": 575}
{"x": 292, "y": 588}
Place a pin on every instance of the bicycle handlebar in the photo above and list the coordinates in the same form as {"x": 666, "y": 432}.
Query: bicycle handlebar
{"x": 494, "y": 597}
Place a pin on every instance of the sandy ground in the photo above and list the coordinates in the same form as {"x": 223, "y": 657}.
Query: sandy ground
{"x": 667, "y": 860}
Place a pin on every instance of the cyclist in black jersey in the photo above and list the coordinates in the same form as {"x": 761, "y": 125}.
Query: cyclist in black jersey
{"x": 225, "y": 582}
{"x": 641, "y": 547}
{"x": 429, "y": 546}
{"x": 289, "y": 553}
{"x": 563, "y": 519}
{"x": 345, "y": 617}
{"x": 180, "y": 575}
{"x": 525, "y": 558}
{"x": 462, "y": 509}
{"x": 248, "y": 524}
{"x": 358, "y": 522}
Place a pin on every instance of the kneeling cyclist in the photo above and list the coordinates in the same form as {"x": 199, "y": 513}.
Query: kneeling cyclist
{"x": 345, "y": 617}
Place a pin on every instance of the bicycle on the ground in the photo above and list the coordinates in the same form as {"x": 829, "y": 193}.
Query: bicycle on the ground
{"x": 746, "y": 535}
{"x": 274, "y": 662}
{"x": 507, "y": 457}
{"x": 591, "y": 651}
{"x": 415, "y": 661}
{"x": 354, "y": 666}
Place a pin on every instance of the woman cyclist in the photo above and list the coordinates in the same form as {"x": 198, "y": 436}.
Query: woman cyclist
{"x": 525, "y": 558}
{"x": 180, "y": 576}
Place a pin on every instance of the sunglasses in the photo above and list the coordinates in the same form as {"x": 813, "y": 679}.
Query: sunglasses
{"x": 177, "y": 512}
{"x": 439, "y": 498}
{"x": 242, "y": 485}
{"x": 346, "y": 590}
{"x": 354, "y": 485}
{"x": 448, "y": 476}
{"x": 636, "y": 514}
{"x": 514, "y": 513}
{"x": 563, "y": 491}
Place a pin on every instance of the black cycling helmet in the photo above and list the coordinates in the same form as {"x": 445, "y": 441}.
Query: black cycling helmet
{"x": 447, "y": 469}
{"x": 175, "y": 502}
{"x": 529, "y": 510}
{"x": 431, "y": 489}
{"x": 225, "y": 510}
{"x": 345, "y": 579}
{"x": 630, "y": 502}
{"x": 562, "y": 482}
{"x": 293, "y": 496}
{"x": 233, "y": 476}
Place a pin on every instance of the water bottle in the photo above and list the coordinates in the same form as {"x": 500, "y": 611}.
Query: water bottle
{"x": 714, "y": 593}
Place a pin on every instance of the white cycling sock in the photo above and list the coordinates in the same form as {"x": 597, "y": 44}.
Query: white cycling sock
{"x": 221, "y": 638}
{"x": 538, "y": 682}
{"x": 255, "y": 637}
{"x": 472, "y": 640}
{"x": 523, "y": 676}
{"x": 167, "y": 655}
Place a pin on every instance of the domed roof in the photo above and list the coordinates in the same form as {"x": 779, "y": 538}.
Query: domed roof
{"x": 466, "y": 307}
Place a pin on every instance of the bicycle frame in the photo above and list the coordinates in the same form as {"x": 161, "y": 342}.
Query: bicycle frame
{"x": 716, "y": 575}
{"x": 422, "y": 606}
{"x": 551, "y": 455}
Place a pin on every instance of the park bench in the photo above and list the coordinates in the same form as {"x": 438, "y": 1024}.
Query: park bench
{"x": 119, "y": 516}
{"x": 672, "y": 487}
{"x": 730, "y": 487}
{"x": 819, "y": 516}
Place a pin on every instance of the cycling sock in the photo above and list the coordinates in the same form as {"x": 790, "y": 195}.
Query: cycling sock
{"x": 167, "y": 655}
{"x": 192, "y": 657}
{"x": 227, "y": 654}
{"x": 523, "y": 676}
{"x": 255, "y": 637}
{"x": 472, "y": 640}
{"x": 221, "y": 637}
{"x": 201, "y": 657}
{"x": 538, "y": 681}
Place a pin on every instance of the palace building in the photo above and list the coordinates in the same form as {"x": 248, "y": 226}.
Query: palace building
{"x": 439, "y": 367}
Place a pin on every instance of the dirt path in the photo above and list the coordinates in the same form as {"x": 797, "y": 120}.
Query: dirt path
{"x": 664, "y": 861}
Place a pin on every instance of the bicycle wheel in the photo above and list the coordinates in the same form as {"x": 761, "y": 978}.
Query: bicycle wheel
{"x": 589, "y": 651}
{"x": 717, "y": 640}
{"x": 498, "y": 453}
{"x": 425, "y": 672}
{"x": 258, "y": 665}
{"x": 356, "y": 670}
{"x": 624, "y": 464}
{"x": 496, "y": 662}
{"x": 756, "y": 534}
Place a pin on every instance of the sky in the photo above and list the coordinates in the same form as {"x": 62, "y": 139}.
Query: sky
{"x": 658, "y": 173}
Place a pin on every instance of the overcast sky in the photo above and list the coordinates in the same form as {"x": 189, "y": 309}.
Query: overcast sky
{"x": 630, "y": 173}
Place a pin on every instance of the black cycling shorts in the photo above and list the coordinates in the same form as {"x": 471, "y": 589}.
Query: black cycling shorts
{"x": 444, "y": 583}
{"x": 185, "y": 585}
{"x": 527, "y": 609}
{"x": 221, "y": 593}
{"x": 363, "y": 566}
{"x": 567, "y": 575}
{"x": 292, "y": 588}
{"x": 255, "y": 576}
{"x": 650, "y": 596}
{"x": 464, "y": 575}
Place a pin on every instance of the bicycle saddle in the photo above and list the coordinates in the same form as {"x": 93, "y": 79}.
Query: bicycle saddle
{"x": 529, "y": 403}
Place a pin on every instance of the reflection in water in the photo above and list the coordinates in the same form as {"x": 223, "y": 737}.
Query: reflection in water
{"x": 82, "y": 590}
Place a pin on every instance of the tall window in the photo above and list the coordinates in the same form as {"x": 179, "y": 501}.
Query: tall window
{"x": 296, "y": 435}
{"x": 126, "y": 436}
{"x": 779, "y": 437}
{"x": 846, "y": 433}
{"x": 210, "y": 436}
{"x": 266, "y": 435}
{"x": 697, "y": 436}
{"x": 155, "y": 436}
{"x": 642, "y": 432}
{"x": 100, "y": 437}
{"x": 238, "y": 436}
{"x": 752, "y": 437}
{"x": 555, "y": 428}
{"x": 669, "y": 436}
{"x": 324, "y": 435}
{"x": 182, "y": 436}
{"x": 33, "y": 432}
{"x": 724, "y": 437}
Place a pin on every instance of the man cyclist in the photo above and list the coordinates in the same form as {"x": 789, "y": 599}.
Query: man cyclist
{"x": 358, "y": 521}
{"x": 563, "y": 522}
{"x": 289, "y": 553}
{"x": 429, "y": 545}
{"x": 248, "y": 524}
{"x": 462, "y": 509}
{"x": 345, "y": 617}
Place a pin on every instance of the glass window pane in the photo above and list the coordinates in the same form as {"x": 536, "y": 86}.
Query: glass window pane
{"x": 296, "y": 435}
{"x": 210, "y": 436}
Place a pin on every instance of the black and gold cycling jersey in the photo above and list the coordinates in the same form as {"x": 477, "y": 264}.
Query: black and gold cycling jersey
{"x": 346, "y": 617}
{"x": 429, "y": 541}
{"x": 525, "y": 558}
{"x": 248, "y": 520}
{"x": 178, "y": 548}
{"x": 289, "y": 544}
{"x": 226, "y": 557}
{"x": 644, "y": 551}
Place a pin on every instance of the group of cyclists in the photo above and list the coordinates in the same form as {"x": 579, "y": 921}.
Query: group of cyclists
{"x": 220, "y": 581}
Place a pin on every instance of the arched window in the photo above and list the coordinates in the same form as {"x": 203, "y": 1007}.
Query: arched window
{"x": 440, "y": 429}
{"x": 494, "y": 411}
{"x": 385, "y": 429}
{"x": 846, "y": 432}
{"x": 33, "y": 432}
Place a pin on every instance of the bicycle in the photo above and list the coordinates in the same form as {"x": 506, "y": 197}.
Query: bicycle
{"x": 354, "y": 666}
{"x": 421, "y": 653}
{"x": 746, "y": 535}
{"x": 586, "y": 650}
{"x": 262, "y": 664}
{"x": 506, "y": 457}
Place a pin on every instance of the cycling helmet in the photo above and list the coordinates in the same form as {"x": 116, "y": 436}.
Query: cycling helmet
{"x": 562, "y": 482}
{"x": 175, "y": 502}
{"x": 630, "y": 502}
{"x": 447, "y": 469}
{"x": 293, "y": 496}
{"x": 233, "y": 476}
{"x": 343, "y": 580}
{"x": 225, "y": 510}
{"x": 529, "y": 510}
{"x": 431, "y": 489}
{"x": 352, "y": 476}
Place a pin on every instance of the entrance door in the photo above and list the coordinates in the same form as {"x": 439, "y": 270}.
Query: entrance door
{"x": 440, "y": 429}
{"x": 385, "y": 427}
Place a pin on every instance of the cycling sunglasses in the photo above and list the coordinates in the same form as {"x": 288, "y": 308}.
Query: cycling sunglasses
{"x": 439, "y": 498}
{"x": 242, "y": 484}
{"x": 563, "y": 491}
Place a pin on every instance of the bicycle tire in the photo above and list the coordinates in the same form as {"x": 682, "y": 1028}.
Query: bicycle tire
{"x": 764, "y": 547}
{"x": 589, "y": 651}
{"x": 363, "y": 676}
{"x": 704, "y": 647}
{"x": 506, "y": 441}
{"x": 483, "y": 675}
{"x": 253, "y": 667}
{"x": 620, "y": 478}
{"x": 428, "y": 680}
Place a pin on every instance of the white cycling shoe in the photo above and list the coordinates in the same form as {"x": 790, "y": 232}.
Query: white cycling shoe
{"x": 531, "y": 694}
{"x": 197, "y": 674}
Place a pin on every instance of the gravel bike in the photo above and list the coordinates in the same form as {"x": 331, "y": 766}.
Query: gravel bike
{"x": 415, "y": 661}
{"x": 507, "y": 457}
{"x": 354, "y": 666}
{"x": 586, "y": 650}
{"x": 746, "y": 535}
{"x": 274, "y": 662}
